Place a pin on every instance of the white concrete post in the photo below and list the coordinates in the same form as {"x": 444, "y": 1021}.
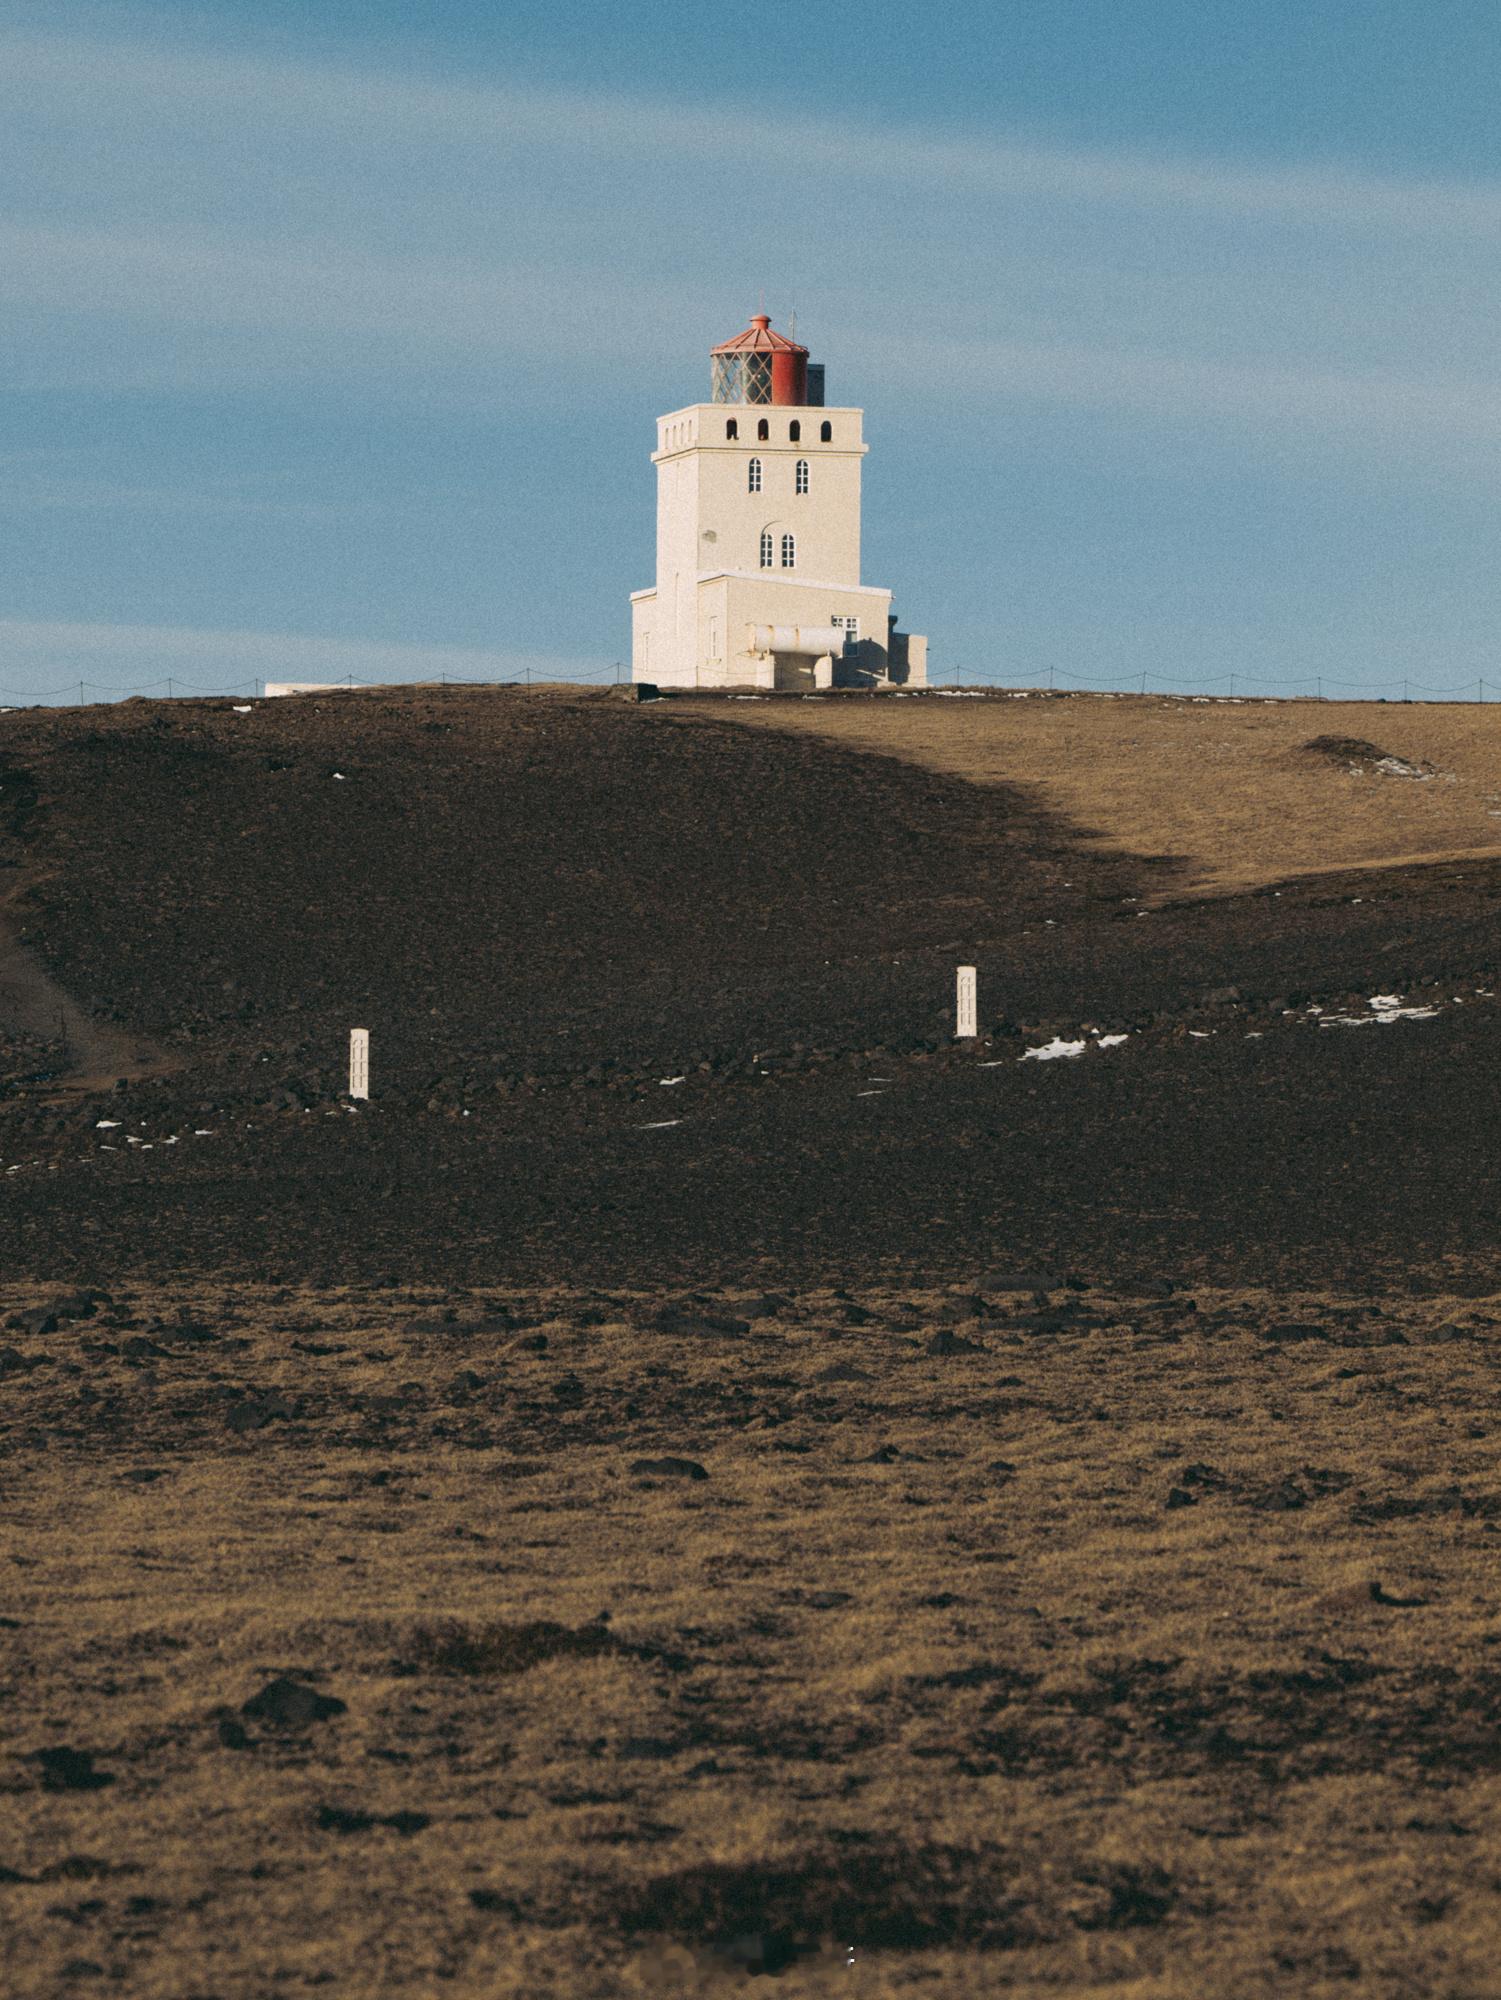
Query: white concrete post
{"x": 359, "y": 1062}
{"x": 967, "y": 1023}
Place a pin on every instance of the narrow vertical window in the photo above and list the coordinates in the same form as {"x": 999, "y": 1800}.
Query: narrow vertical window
{"x": 826, "y": 432}
{"x": 763, "y": 429}
{"x": 795, "y": 431}
{"x": 789, "y": 552}
{"x": 753, "y": 476}
{"x": 802, "y": 475}
{"x": 766, "y": 548}
{"x": 731, "y": 428}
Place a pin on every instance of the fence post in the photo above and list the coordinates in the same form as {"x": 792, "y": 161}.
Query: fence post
{"x": 359, "y": 1062}
{"x": 966, "y": 1025}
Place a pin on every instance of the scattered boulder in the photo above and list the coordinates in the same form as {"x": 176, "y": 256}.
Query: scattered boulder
{"x": 65, "y": 1769}
{"x": 186, "y": 1333}
{"x": 667, "y": 1468}
{"x": 35, "y": 1319}
{"x": 842, "y": 1371}
{"x": 946, "y": 1342}
{"x": 1020, "y": 1281}
{"x": 253, "y": 1413}
{"x": 345, "y": 1819}
{"x": 769, "y": 1305}
{"x": 284, "y": 1703}
{"x": 695, "y": 1324}
{"x": 499, "y": 1651}
{"x": 81, "y": 1304}
{"x": 1397, "y": 1600}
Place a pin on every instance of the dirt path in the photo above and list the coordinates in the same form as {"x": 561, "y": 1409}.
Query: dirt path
{"x": 32, "y": 1003}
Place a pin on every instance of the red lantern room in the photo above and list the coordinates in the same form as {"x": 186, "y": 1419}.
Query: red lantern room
{"x": 759, "y": 366}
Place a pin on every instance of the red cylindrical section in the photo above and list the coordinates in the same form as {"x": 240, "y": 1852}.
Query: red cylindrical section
{"x": 789, "y": 375}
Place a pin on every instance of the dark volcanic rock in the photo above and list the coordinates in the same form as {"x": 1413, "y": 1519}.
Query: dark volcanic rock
{"x": 35, "y": 1319}
{"x": 945, "y": 1342}
{"x": 65, "y": 1769}
{"x": 80, "y": 1304}
{"x": 287, "y": 1704}
{"x": 345, "y": 1819}
{"x": 698, "y": 1325}
{"x": 255, "y": 1412}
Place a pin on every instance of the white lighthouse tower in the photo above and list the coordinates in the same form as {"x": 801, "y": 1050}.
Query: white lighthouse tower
{"x": 758, "y": 538}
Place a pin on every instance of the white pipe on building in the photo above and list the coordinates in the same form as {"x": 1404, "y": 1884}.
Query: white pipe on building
{"x": 810, "y": 641}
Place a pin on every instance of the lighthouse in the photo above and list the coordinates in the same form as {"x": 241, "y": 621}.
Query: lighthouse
{"x": 758, "y": 537}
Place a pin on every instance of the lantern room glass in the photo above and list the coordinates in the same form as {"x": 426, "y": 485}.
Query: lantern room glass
{"x": 742, "y": 378}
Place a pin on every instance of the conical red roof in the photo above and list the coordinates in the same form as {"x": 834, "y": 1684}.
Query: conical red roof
{"x": 758, "y": 338}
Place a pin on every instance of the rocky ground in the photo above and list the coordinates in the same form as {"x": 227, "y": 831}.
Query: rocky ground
{"x": 701, "y": 1474}
{"x": 1031, "y": 1637}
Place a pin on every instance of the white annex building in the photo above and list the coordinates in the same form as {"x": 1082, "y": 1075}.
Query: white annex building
{"x": 758, "y": 538}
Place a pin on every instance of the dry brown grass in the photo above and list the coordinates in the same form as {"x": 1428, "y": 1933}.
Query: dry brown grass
{"x": 1232, "y": 788}
{"x": 932, "y": 1665}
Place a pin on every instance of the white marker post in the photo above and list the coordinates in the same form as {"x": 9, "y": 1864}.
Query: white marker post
{"x": 967, "y": 1023}
{"x": 359, "y": 1062}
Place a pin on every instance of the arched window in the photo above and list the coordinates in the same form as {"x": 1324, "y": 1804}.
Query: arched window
{"x": 753, "y": 476}
{"x": 732, "y": 428}
{"x": 802, "y": 475}
{"x": 825, "y": 432}
{"x": 763, "y": 429}
{"x": 789, "y": 552}
{"x": 766, "y": 548}
{"x": 795, "y": 431}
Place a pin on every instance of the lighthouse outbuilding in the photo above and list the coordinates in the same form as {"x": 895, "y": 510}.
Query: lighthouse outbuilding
{"x": 758, "y": 538}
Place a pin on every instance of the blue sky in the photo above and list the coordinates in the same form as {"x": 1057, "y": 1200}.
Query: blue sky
{"x": 331, "y": 337}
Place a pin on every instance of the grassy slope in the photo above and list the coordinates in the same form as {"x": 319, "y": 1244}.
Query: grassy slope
{"x": 1230, "y": 789}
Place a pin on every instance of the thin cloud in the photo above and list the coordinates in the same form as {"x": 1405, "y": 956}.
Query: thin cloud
{"x": 130, "y": 658}
{"x": 349, "y": 102}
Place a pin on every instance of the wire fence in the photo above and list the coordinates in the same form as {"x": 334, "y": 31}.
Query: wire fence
{"x": 174, "y": 687}
{"x": 1229, "y": 686}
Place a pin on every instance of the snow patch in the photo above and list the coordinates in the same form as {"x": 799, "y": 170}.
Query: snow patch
{"x": 1384, "y": 1007}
